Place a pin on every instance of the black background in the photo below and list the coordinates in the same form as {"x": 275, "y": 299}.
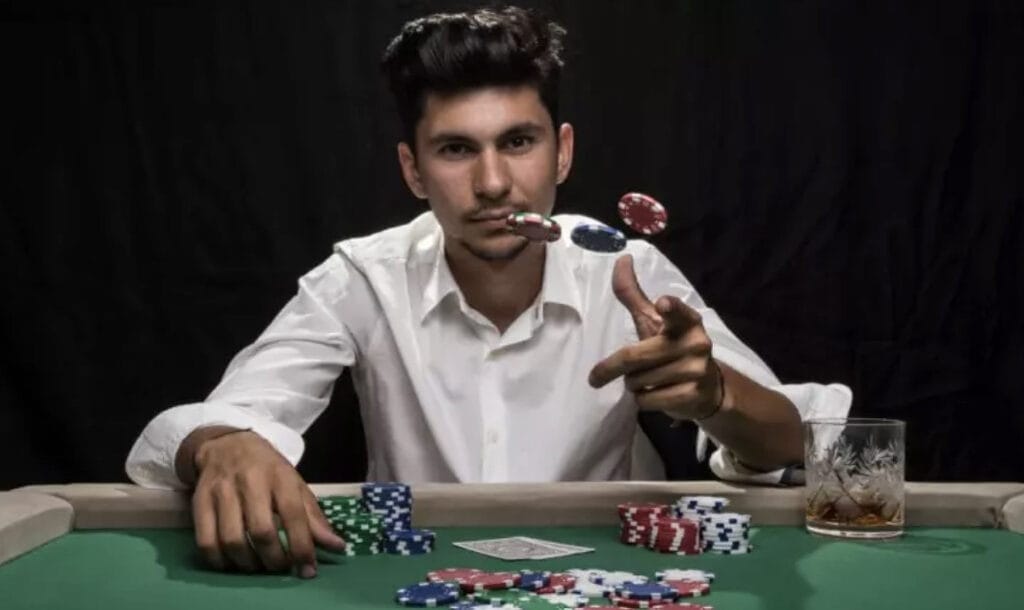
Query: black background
{"x": 843, "y": 180}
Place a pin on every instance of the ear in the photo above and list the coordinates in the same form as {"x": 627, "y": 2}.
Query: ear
{"x": 565, "y": 145}
{"x": 407, "y": 161}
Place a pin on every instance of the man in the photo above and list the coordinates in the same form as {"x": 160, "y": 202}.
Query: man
{"x": 477, "y": 355}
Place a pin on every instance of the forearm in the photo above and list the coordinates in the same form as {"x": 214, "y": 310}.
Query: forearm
{"x": 760, "y": 426}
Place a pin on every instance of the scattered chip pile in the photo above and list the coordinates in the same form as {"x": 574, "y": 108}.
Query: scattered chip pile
{"x": 473, "y": 589}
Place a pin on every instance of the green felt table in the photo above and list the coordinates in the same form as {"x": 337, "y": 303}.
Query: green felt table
{"x": 156, "y": 569}
{"x": 107, "y": 546}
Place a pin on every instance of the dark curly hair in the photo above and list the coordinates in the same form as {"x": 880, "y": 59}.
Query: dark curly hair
{"x": 449, "y": 53}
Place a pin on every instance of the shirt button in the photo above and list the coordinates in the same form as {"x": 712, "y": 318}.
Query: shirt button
{"x": 492, "y": 436}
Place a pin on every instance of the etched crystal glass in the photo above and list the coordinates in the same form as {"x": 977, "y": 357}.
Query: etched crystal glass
{"x": 855, "y": 470}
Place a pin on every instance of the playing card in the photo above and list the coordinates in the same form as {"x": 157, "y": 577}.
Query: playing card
{"x": 516, "y": 548}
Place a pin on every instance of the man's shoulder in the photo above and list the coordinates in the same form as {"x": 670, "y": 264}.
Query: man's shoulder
{"x": 402, "y": 243}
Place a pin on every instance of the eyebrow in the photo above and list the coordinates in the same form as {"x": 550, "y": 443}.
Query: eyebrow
{"x": 526, "y": 127}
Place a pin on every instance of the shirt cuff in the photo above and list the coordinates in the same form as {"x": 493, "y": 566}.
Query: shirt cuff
{"x": 812, "y": 400}
{"x": 150, "y": 462}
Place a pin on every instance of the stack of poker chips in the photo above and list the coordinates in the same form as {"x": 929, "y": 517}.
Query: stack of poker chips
{"x": 636, "y": 521}
{"x": 363, "y": 531}
{"x": 675, "y": 535}
{"x": 721, "y": 532}
{"x": 655, "y": 527}
{"x": 696, "y": 507}
{"x": 409, "y": 542}
{"x": 392, "y": 502}
{"x": 726, "y": 533}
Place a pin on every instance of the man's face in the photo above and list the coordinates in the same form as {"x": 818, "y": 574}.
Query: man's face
{"x": 481, "y": 155}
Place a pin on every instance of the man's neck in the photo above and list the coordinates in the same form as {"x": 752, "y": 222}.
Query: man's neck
{"x": 500, "y": 290}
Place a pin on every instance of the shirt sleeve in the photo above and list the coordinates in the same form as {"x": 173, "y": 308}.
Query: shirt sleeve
{"x": 276, "y": 387}
{"x": 658, "y": 276}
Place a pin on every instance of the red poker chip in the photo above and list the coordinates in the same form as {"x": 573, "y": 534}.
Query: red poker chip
{"x": 642, "y": 509}
{"x": 643, "y": 213}
{"x": 456, "y": 575}
{"x": 688, "y": 588}
{"x": 486, "y": 581}
{"x": 560, "y": 583}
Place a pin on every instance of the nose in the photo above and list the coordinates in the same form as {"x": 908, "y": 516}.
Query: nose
{"x": 491, "y": 178}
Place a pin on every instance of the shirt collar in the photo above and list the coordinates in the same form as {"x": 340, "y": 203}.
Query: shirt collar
{"x": 559, "y": 285}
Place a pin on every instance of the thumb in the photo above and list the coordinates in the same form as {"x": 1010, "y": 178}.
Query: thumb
{"x": 322, "y": 532}
{"x": 627, "y": 290}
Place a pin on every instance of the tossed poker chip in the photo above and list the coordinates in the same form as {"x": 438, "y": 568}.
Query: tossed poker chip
{"x": 559, "y": 583}
{"x": 677, "y": 574}
{"x": 533, "y": 226}
{"x": 653, "y": 591}
{"x": 456, "y": 575}
{"x": 598, "y": 238}
{"x": 427, "y": 594}
{"x": 643, "y": 213}
{"x": 688, "y": 588}
{"x": 489, "y": 581}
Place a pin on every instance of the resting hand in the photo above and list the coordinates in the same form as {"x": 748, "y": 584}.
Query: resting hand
{"x": 243, "y": 482}
{"x": 670, "y": 368}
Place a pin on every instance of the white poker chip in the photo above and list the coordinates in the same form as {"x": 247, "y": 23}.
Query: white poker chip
{"x": 715, "y": 502}
{"x": 585, "y": 584}
{"x": 615, "y": 579}
{"x": 587, "y": 588}
{"x": 570, "y": 600}
{"x": 675, "y": 574}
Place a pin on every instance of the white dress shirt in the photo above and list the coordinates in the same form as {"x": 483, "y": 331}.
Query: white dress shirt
{"x": 443, "y": 395}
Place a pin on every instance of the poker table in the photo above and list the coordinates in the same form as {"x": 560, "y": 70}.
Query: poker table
{"x": 119, "y": 546}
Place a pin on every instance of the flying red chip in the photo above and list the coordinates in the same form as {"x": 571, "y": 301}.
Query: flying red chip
{"x": 643, "y": 213}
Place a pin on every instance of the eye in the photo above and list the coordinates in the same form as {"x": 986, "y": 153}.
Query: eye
{"x": 519, "y": 143}
{"x": 454, "y": 150}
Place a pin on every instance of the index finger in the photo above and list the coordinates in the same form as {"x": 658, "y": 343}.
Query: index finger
{"x": 645, "y": 354}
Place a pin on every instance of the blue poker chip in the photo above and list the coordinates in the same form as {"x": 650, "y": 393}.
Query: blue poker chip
{"x": 598, "y": 238}
{"x": 464, "y": 605}
{"x": 653, "y": 591}
{"x": 411, "y": 535}
{"x": 531, "y": 581}
{"x": 428, "y": 594}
